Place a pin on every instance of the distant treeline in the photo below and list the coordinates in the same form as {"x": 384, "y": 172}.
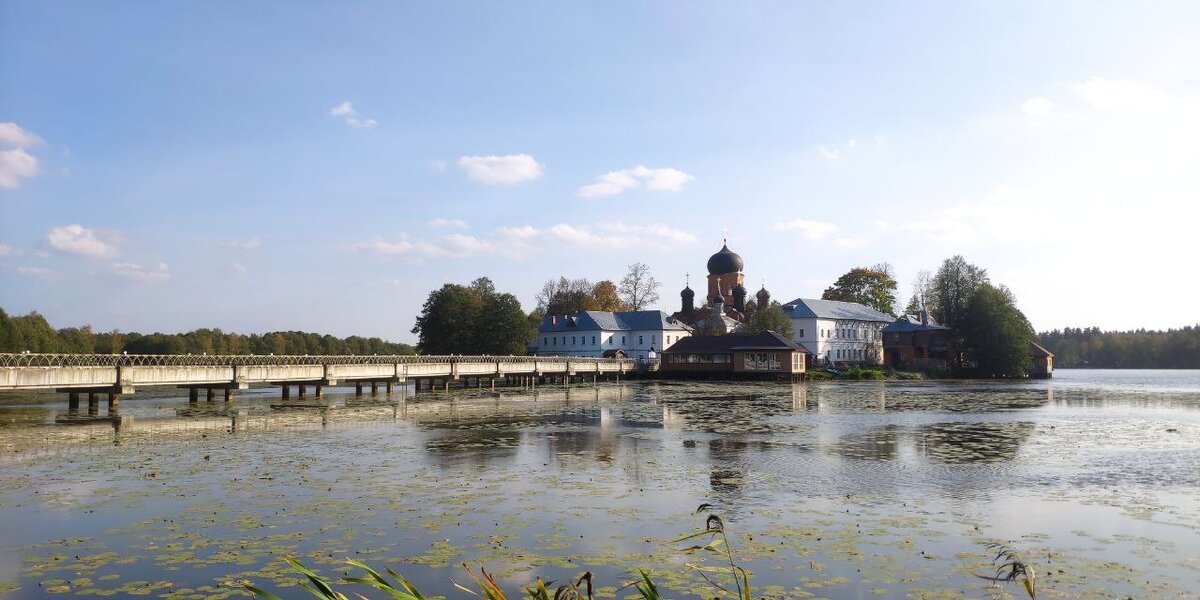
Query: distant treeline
{"x": 1141, "y": 349}
{"x": 34, "y": 334}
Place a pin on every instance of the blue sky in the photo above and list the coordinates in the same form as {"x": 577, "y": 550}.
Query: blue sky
{"x": 322, "y": 167}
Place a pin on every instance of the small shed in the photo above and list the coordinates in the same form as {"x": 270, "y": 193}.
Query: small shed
{"x": 1043, "y": 361}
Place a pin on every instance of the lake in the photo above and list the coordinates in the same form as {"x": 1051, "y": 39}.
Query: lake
{"x": 829, "y": 489}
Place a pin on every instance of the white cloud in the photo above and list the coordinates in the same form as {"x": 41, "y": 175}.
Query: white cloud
{"x": 813, "y": 230}
{"x": 522, "y": 241}
{"x": 238, "y": 268}
{"x": 77, "y": 239}
{"x": 454, "y": 245}
{"x": 12, "y": 136}
{"x": 7, "y": 251}
{"x": 510, "y": 169}
{"x": 253, "y": 243}
{"x": 438, "y": 165}
{"x": 15, "y": 163}
{"x": 614, "y": 182}
{"x": 827, "y": 153}
{"x": 345, "y": 109}
{"x": 33, "y": 272}
{"x": 1037, "y": 107}
{"x": 135, "y": 272}
{"x": 352, "y": 118}
{"x": 441, "y": 222}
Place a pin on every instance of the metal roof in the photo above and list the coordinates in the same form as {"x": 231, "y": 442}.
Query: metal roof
{"x": 909, "y": 323}
{"x": 704, "y": 344}
{"x": 810, "y": 308}
{"x": 598, "y": 320}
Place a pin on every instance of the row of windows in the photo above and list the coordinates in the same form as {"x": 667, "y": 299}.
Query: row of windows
{"x": 850, "y": 353}
{"x": 846, "y": 333}
{"x": 577, "y": 340}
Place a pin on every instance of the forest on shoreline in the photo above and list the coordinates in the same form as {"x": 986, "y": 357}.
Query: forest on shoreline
{"x": 1140, "y": 349}
{"x": 32, "y": 333}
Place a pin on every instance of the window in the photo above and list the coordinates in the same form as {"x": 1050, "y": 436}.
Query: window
{"x": 555, "y": 341}
{"x": 572, "y": 340}
{"x": 593, "y": 340}
{"x": 802, "y": 333}
{"x": 640, "y": 340}
{"x": 653, "y": 339}
{"x": 545, "y": 342}
{"x": 622, "y": 340}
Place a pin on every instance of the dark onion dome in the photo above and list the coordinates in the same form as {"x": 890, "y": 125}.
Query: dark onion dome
{"x": 763, "y": 293}
{"x": 739, "y": 291}
{"x": 718, "y": 298}
{"x": 687, "y": 292}
{"x": 725, "y": 261}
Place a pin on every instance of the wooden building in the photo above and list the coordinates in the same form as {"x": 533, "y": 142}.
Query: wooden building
{"x": 1043, "y": 361}
{"x": 736, "y": 356}
{"x": 916, "y": 342}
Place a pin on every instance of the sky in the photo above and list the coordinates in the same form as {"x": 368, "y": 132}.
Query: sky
{"x": 324, "y": 166}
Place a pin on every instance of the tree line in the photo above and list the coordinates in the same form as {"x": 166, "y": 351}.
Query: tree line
{"x": 32, "y": 333}
{"x": 1138, "y": 349}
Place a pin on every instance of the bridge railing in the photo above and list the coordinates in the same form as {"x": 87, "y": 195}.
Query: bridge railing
{"x": 225, "y": 360}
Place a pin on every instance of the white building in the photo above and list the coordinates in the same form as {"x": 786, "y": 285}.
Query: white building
{"x": 838, "y": 332}
{"x": 639, "y": 334}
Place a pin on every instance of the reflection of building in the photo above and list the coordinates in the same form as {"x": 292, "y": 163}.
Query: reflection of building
{"x": 833, "y": 331}
{"x": 916, "y": 342}
{"x": 600, "y": 333}
{"x": 766, "y": 355}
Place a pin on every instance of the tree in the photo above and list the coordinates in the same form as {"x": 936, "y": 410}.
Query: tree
{"x": 922, "y": 296}
{"x": 604, "y": 296}
{"x": 472, "y": 319}
{"x": 771, "y": 318}
{"x": 996, "y": 334}
{"x": 564, "y": 296}
{"x": 953, "y": 287}
{"x": 872, "y": 286}
{"x": 639, "y": 289}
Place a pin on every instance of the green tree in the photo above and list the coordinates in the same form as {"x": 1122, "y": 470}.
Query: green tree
{"x": 952, "y": 288}
{"x": 473, "y": 319}
{"x": 771, "y": 318}
{"x": 872, "y": 286}
{"x": 565, "y": 296}
{"x": 996, "y": 334}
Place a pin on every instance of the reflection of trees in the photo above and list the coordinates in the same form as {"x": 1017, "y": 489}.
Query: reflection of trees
{"x": 878, "y": 443}
{"x": 962, "y": 443}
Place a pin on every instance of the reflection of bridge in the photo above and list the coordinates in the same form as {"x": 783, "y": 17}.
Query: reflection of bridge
{"x": 116, "y": 374}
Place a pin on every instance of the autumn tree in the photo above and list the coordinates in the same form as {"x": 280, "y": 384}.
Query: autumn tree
{"x": 639, "y": 289}
{"x": 604, "y": 296}
{"x": 873, "y": 286}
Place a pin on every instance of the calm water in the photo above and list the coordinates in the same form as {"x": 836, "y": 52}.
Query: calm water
{"x": 834, "y": 490}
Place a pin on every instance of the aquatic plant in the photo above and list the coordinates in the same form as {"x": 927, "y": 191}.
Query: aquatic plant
{"x": 720, "y": 577}
{"x": 1009, "y": 567}
{"x": 714, "y": 529}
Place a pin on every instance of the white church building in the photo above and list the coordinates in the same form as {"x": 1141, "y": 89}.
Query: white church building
{"x": 638, "y": 334}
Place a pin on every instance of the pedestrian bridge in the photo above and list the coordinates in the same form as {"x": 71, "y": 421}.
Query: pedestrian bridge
{"x": 116, "y": 374}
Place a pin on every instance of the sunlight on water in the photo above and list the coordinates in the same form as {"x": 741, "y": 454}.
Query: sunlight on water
{"x": 839, "y": 490}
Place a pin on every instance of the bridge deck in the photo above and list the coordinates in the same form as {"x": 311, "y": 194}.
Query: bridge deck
{"x": 121, "y": 373}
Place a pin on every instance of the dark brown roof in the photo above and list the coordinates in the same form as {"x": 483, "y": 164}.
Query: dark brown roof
{"x": 1036, "y": 351}
{"x": 708, "y": 344}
